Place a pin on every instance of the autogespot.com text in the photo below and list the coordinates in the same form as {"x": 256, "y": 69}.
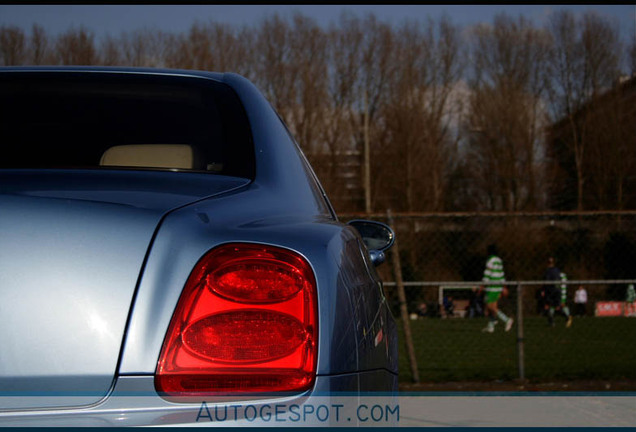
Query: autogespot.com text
{"x": 340, "y": 411}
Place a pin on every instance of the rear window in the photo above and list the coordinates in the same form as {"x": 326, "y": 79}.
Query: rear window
{"x": 122, "y": 121}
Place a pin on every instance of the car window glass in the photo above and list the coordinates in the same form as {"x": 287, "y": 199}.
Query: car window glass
{"x": 130, "y": 121}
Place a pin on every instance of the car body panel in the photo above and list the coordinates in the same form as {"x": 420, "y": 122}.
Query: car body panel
{"x": 65, "y": 307}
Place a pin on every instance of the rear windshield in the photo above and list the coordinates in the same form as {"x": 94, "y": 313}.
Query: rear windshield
{"x": 122, "y": 121}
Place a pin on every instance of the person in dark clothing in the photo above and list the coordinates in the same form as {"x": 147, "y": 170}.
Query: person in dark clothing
{"x": 552, "y": 292}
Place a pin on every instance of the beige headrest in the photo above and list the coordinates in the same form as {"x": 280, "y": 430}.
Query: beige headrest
{"x": 149, "y": 156}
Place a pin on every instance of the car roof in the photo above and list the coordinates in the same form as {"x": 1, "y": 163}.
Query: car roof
{"x": 117, "y": 69}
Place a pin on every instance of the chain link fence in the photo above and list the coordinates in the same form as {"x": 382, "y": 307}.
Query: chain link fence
{"x": 442, "y": 260}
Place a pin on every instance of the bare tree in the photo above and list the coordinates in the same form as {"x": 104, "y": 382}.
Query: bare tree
{"x": 506, "y": 112}
{"x": 420, "y": 112}
{"x": 337, "y": 162}
{"x": 110, "y": 52}
{"x": 12, "y": 46}
{"x": 197, "y": 49}
{"x": 76, "y": 47}
{"x": 143, "y": 48}
{"x": 174, "y": 57}
{"x": 377, "y": 67}
{"x": 290, "y": 64}
{"x": 584, "y": 62}
{"x": 275, "y": 72}
{"x": 309, "y": 55}
{"x": 39, "y": 46}
{"x": 210, "y": 46}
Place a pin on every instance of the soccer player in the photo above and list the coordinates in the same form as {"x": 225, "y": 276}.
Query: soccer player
{"x": 493, "y": 279}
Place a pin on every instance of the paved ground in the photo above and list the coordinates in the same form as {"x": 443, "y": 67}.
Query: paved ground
{"x": 518, "y": 411}
{"x": 592, "y": 403}
{"x": 600, "y": 386}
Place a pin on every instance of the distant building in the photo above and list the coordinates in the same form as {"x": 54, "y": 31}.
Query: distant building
{"x": 605, "y": 130}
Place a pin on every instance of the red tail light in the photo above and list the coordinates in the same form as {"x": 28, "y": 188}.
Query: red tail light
{"x": 245, "y": 323}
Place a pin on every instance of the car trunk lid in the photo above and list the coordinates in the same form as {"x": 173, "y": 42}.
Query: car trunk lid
{"x": 72, "y": 246}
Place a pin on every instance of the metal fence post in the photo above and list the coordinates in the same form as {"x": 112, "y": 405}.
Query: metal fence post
{"x": 520, "y": 342}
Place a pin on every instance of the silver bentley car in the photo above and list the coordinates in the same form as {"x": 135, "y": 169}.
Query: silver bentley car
{"x": 165, "y": 248}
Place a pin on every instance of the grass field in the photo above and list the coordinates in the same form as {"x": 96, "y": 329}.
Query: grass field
{"x": 457, "y": 350}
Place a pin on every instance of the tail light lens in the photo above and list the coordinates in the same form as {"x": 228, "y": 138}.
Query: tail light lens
{"x": 246, "y": 323}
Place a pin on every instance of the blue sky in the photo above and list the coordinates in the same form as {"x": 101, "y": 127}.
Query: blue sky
{"x": 114, "y": 19}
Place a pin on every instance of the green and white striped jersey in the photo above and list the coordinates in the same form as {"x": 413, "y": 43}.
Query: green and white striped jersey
{"x": 564, "y": 288}
{"x": 494, "y": 272}
{"x": 631, "y": 294}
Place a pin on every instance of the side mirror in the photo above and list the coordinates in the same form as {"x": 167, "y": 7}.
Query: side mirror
{"x": 377, "y": 236}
